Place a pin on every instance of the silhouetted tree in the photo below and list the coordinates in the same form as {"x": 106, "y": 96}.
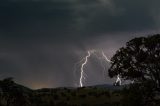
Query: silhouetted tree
{"x": 139, "y": 60}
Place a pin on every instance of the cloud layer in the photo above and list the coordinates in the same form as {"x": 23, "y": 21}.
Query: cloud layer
{"x": 40, "y": 40}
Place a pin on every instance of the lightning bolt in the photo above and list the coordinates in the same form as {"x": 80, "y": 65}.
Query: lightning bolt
{"x": 118, "y": 80}
{"x": 105, "y": 57}
{"x": 83, "y": 64}
{"x": 82, "y": 68}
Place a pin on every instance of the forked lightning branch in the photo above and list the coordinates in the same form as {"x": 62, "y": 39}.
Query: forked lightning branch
{"x": 84, "y": 62}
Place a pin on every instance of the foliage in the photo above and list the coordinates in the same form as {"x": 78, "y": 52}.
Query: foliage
{"x": 139, "y": 60}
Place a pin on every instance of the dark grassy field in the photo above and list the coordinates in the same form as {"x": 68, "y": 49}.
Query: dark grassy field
{"x": 87, "y": 96}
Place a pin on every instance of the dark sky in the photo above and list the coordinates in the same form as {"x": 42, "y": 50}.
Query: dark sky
{"x": 41, "y": 40}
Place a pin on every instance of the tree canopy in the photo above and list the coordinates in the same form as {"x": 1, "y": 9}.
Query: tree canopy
{"x": 139, "y": 60}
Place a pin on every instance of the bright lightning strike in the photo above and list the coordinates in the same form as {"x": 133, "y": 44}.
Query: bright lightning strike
{"x": 118, "y": 80}
{"x": 105, "y": 57}
{"x": 85, "y": 59}
{"x": 82, "y": 68}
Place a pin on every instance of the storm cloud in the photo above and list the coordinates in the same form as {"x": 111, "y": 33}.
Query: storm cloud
{"x": 40, "y": 40}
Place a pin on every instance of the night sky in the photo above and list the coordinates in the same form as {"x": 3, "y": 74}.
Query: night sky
{"x": 41, "y": 40}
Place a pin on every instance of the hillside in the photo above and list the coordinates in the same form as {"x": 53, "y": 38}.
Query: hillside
{"x": 12, "y": 94}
